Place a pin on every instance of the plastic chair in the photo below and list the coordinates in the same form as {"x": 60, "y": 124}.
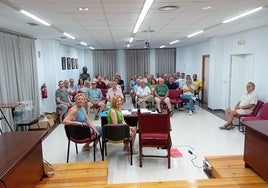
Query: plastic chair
{"x": 114, "y": 132}
{"x": 80, "y": 135}
{"x": 253, "y": 114}
{"x": 154, "y": 133}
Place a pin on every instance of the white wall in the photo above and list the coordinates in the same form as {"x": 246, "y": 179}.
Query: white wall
{"x": 220, "y": 50}
{"x": 50, "y": 70}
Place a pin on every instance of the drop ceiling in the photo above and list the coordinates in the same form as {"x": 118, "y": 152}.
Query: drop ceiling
{"x": 108, "y": 24}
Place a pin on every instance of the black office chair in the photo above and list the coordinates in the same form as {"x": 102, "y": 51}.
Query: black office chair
{"x": 111, "y": 132}
{"x": 81, "y": 135}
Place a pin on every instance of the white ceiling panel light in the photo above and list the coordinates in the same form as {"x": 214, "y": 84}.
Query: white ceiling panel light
{"x": 175, "y": 41}
{"x": 147, "y": 5}
{"x": 26, "y": 13}
{"x": 196, "y": 33}
{"x": 163, "y": 46}
{"x": 68, "y": 35}
{"x": 242, "y": 15}
{"x": 83, "y": 43}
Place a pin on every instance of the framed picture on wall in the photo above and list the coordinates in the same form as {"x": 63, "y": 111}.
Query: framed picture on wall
{"x": 63, "y": 63}
{"x": 68, "y": 63}
{"x": 73, "y": 63}
{"x": 76, "y": 63}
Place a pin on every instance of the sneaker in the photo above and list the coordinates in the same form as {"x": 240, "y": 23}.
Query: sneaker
{"x": 190, "y": 112}
{"x": 194, "y": 98}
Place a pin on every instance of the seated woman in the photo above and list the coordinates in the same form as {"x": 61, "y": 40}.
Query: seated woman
{"x": 77, "y": 116}
{"x": 115, "y": 116}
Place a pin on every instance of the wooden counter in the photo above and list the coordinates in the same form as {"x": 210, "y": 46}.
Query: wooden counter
{"x": 21, "y": 158}
{"x": 256, "y": 147}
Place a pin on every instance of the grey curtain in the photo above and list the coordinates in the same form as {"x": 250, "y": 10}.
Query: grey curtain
{"x": 137, "y": 63}
{"x": 18, "y": 72}
{"x": 165, "y": 60}
{"x": 104, "y": 62}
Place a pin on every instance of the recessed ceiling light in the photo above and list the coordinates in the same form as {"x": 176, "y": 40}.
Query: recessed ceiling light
{"x": 168, "y": 8}
{"x": 206, "y": 7}
{"x": 83, "y": 9}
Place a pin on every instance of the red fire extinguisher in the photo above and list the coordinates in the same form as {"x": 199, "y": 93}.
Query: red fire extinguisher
{"x": 44, "y": 90}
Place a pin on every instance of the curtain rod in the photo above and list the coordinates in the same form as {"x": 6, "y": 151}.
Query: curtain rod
{"x": 16, "y": 33}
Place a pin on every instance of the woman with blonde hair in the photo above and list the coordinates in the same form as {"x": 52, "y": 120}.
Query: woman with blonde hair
{"x": 77, "y": 116}
{"x": 115, "y": 116}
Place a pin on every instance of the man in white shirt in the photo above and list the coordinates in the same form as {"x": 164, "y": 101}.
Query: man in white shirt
{"x": 143, "y": 95}
{"x": 244, "y": 106}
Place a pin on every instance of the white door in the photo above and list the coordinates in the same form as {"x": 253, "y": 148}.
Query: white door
{"x": 241, "y": 72}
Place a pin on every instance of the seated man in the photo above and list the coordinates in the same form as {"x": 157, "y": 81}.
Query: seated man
{"x": 188, "y": 94}
{"x": 198, "y": 85}
{"x": 161, "y": 95}
{"x": 244, "y": 106}
{"x": 143, "y": 95}
{"x": 62, "y": 100}
{"x": 94, "y": 98}
{"x": 112, "y": 91}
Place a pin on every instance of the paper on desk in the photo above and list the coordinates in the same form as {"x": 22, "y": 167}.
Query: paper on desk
{"x": 126, "y": 112}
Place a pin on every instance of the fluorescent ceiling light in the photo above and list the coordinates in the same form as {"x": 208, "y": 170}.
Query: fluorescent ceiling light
{"x": 194, "y": 34}
{"x": 175, "y": 41}
{"x": 68, "y": 35}
{"x": 128, "y": 45}
{"x": 83, "y": 43}
{"x": 34, "y": 17}
{"x": 83, "y": 9}
{"x": 131, "y": 40}
{"x": 242, "y": 15}
{"x": 162, "y": 46}
{"x": 145, "y": 9}
{"x": 91, "y": 48}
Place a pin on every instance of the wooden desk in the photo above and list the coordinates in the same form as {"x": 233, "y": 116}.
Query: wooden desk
{"x": 12, "y": 106}
{"x": 131, "y": 120}
{"x": 21, "y": 158}
{"x": 256, "y": 147}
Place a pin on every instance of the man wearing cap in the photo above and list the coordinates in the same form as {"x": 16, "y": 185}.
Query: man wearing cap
{"x": 94, "y": 98}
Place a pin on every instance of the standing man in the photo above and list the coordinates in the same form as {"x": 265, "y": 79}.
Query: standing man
{"x": 244, "y": 106}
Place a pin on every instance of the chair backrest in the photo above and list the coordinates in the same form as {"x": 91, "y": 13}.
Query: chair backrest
{"x": 154, "y": 123}
{"x": 174, "y": 93}
{"x": 257, "y": 108}
{"x": 264, "y": 111}
{"x": 79, "y": 134}
{"x": 115, "y": 132}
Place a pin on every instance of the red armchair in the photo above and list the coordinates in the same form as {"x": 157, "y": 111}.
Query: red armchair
{"x": 253, "y": 114}
{"x": 154, "y": 131}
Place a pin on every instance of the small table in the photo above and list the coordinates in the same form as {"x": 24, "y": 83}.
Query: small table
{"x": 256, "y": 147}
{"x": 130, "y": 116}
{"x": 12, "y": 106}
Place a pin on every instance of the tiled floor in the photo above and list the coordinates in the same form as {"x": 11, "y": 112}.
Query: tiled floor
{"x": 198, "y": 133}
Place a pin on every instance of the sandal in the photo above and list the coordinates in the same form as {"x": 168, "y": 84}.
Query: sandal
{"x": 223, "y": 127}
{"x": 229, "y": 127}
